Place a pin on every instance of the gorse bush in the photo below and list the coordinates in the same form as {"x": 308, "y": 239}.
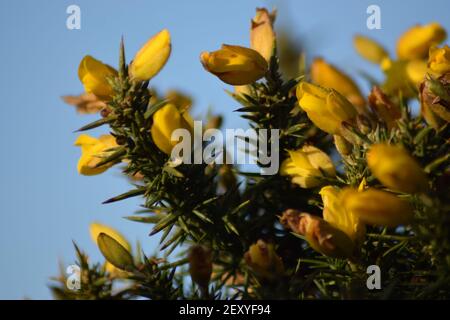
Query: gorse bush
{"x": 363, "y": 180}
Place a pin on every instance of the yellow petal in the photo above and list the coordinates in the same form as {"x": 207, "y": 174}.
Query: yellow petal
{"x": 369, "y": 49}
{"x": 262, "y": 35}
{"x": 415, "y": 42}
{"x": 378, "y": 207}
{"x": 97, "y": 228}
{"x": 152, "y": 57}
{"x": 396, "y": 169}
{"x": 94, "y": 75}
{"x": 327, "y": 75}
{"x": 235, "y": 65}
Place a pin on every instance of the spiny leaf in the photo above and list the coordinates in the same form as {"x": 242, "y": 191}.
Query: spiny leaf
{"x": 126, "y": 195}
{"x": 97, "y": 123}
{"x": 149, "y": 219}
{"x": 202, "y": 216}
{"x": 154, "y": 107}
{"x": 115, "y": 156}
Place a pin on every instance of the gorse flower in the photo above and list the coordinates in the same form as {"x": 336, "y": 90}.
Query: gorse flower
{"x": 321, "y": 235}
{"x": 335, "y": 214}
{"x": 377, "y": 207}
{"x": 93, "y": 150}
{"x": 370, "y": 49}
{"x": 235, "y": 65}
{"x": 263, "y": 260}
{"x": 415, "y": 42}
{"x": 396, "y": 169}
{"x": 152, "y": 57}
{"x": 307, "y": 165}
{"x": 165, "y": 121}
{"x": 439, "y": 60}
{"x": 94, "y": 75}
{"x": 326, "y": 108}
{"x": 406, "y": 73}
{"x": 328, "y": 76}
{"x": 262, "y": 35}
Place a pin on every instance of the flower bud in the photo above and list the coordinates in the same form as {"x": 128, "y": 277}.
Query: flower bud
{"x": 321, "y": 235}
{"x": 383, "y": 107}
{"x": 262, "y": 35}
{"x": 152, "y": 57}
{"x": 263, "y": 260}
{"x": 342, "y": 145}
{"x": 326, "y": 108}
{"x": 415, "y": 42}
{"x": 180, "y": 100}
{"x": 94, "y": 75}
{"x": 92, "y": 152}
{"x": 439, "y": 60}
{"x": 165, "y": 121}
{"x": 200, "y": 265}
{"x": 235, "y": 65}
{"x": 307, "y": 165}
{"x": 377, "y": 207}
{"x": 95, "y": 229}
{"x": 327, "y": 75}
{"x": 370, "y": 49}
{"x": 396, "y": 169}
{"x": 363, "y": 123}
{"x": 435, "y": 100}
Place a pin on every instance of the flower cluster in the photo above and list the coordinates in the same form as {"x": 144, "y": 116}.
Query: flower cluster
{"x": 363, "y": 178}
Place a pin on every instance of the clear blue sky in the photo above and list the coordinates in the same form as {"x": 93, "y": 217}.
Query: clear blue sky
{"x": 44, "y": 203}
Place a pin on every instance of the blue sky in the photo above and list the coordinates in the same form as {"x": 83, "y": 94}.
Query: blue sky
{"x": 44, "y": 203}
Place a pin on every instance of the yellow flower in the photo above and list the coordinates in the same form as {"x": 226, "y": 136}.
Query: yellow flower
{"x": 335, "y": 214}
{"x": 262, "y": 35}
{"x": 263, "y": 260}
{"x": 398, "y": 79}
{"x": 415, "y": 42}
{"x": 165, "y": 121}
{"x": 396, "y": 169}
{"x": 94, "y": 75}
{"x": 439, "y": 60}
{"x": 152, "y": 57}
{"x": 321, "y": 235}
{"x": 377, "y": 207}
{"x": 182, "y": 101}
{"x": 235, "y": 65}
{"x": 326, "y": 108}
{"x": 307, "y": 165}
{"x": 416, "y": 70}
{"x": 92, "y": 152}
{"x": 97, "y": 228}
{"x": 327, "y": 75}
{"x": 370, "y": 49}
